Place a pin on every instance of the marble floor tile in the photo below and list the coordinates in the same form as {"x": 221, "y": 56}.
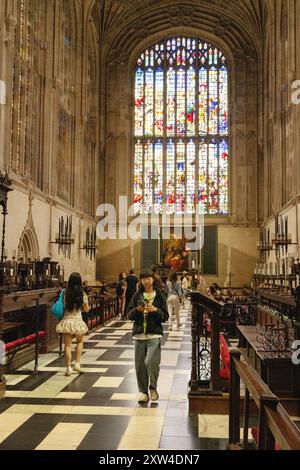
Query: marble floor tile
{"x": 65, "y": 436}
{"x": 106, "y": 381}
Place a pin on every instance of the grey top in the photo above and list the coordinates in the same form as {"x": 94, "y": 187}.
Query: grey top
{"x": 174, "y": 288}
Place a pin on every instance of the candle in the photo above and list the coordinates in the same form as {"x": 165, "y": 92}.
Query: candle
{"x": 11, "y": 271}
{"x": 47, "y": 272}
{"x": 193, "y": 264}
{"x": 30, "y": 272}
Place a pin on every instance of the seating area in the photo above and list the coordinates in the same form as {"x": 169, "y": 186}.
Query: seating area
{"x": 37, "y": 327}
{"x": 262, "y": 374}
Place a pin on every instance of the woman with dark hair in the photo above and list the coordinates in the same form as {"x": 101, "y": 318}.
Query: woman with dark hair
{"x": 75, "y": 300}
{"x": 148, "y": 310}
{"x": 174, "y": 295}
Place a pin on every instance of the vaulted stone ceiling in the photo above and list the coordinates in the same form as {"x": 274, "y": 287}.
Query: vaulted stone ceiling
{"x": 124, "y": 23}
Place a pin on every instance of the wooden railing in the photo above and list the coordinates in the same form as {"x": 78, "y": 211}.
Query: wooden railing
{"x": 274, "y": 424}
{"x": 205, "y": 373}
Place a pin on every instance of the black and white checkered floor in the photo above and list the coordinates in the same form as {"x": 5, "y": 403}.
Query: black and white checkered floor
{"x": 99, "y": 409}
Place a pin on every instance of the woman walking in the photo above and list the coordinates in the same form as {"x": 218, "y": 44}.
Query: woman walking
{"x": 174, "y": 295}
{"x": 75, "y": 300}
{"x": 148, "y": 310}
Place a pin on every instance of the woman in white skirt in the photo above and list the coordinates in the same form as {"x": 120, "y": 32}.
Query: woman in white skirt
{"x": 75, "y": 300}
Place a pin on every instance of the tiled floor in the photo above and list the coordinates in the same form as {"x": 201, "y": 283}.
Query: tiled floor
{"x": 98, "y": 409}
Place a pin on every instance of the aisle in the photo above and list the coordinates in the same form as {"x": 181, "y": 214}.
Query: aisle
{"x": 98, "y": 409}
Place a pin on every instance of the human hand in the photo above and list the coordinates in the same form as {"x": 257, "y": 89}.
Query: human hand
{"x": 151, "y": 309}
{"x": 141, "y": 308}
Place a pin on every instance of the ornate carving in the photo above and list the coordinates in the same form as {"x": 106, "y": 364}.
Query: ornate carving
{"x": 123, "y": 58}
{"x": 181, "y": 16}
{"x": 113, "y": 57}
{"x": 251, "y": 135}
{"x": 139, "y": 29}
{"x": 10, "y": 24}
{"x": 238, "y": 54}
{"x": 250, "y": 54}
{"x": 240, "y": 134}
{"x": 56, "y": 83}
{"x": 5, "y": 180}
{"x": 223, "y": 26}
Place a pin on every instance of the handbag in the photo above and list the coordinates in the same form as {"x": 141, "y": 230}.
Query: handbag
{"x": 58, "y": 308}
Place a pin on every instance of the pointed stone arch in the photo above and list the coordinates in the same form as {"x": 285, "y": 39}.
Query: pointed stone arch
{"x": 28, "y": 247}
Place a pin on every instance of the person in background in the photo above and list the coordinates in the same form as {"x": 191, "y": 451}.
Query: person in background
{"x": 184, "y": 286}
{"x": 132, "y": 286}
{"x": 202, "y": 287}
{"x": 174, "y": 295}
{"x": 148, "y": 310}
{"x": 103, "y": 288}
{"x": 215, "y": 290}
{"x": 121, "y": 294}
{"x": 157, "y": 279}
{"x": 71, "y": 324}
{"x": 87, "y": 290}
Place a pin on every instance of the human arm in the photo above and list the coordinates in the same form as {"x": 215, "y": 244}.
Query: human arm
{"x": 85, "y": 304}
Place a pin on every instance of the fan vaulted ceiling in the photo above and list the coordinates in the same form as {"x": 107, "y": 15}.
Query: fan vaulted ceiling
{"x": 124, "y": 23}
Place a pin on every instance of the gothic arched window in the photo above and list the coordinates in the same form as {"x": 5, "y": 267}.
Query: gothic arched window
{"x": 181, "y": 128}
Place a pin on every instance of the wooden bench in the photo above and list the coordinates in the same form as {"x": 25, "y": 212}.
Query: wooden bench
{"x": 275, "y": 427}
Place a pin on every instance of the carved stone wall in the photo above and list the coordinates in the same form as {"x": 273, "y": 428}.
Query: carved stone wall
{"x": 50, "y": 122}
{"x": 282, "y": 116}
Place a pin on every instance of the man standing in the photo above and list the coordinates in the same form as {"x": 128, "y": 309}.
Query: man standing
{"x": 132, "y": 283}
{"x": 148, "y": 310}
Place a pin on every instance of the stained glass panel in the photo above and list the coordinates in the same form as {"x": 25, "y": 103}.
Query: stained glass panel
{"x": 181, "y": 128}
{"x": 170, "y": 177}
{"x": 202, "y": 196}
{"x": 148, "y": 176}
{"x": 190, "y": 183}
{"x": 223, "y": 177}
{"x": 181, "y": 98}
{"x": 159, "y": 102}
{"x": 223, "y": 93}
{"x": 158, "y": 176}
{"x": 138, "y": 177}
{"x": 180, "y": 176}
{"x": 203, "y": 101}
{"x": 149, "y": 95}
{"x": 213, "y": 101}
{"x": 191, "y": 101}
{"x": 213, "y": 161}
{"x": 171, "y": 102}
{"x": 139, "y": 102}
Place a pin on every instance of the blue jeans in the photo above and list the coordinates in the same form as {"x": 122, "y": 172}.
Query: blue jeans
{"x": 147, "y": 361}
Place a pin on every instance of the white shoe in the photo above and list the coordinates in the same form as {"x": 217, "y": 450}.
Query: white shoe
{"x": 143, "y": 398}
{"x": 153, "y": 394}
{"x": 69, "y": 372}
{"x": 77, "y": 368}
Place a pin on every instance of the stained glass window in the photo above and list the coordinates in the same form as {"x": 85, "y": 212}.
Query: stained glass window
{"x": 181, "y": 128}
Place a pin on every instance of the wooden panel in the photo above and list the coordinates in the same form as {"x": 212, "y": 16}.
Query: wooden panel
{"x": 149, "y": 250}
{"x": 210, "y": 251}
